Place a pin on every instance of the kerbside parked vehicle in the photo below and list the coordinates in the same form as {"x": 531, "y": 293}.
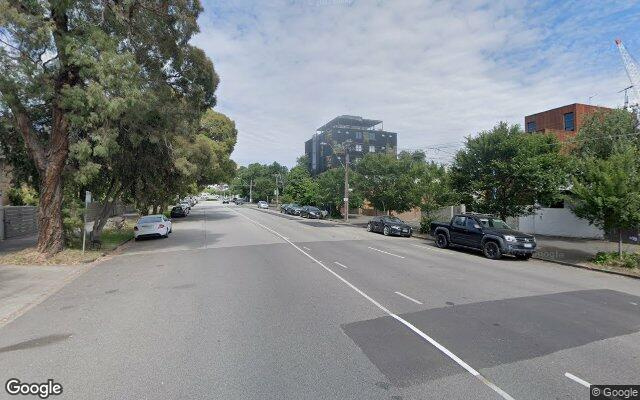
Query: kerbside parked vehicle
{"x": 484, "y": 232}
{"x": 388, "y": 225}
{"x": 152, "y": 226}
{"x": 263, "y": 204}
{"x": 178, "y": 211}
{"x": 293, "y": 209}
{"x": 311, "y": 212}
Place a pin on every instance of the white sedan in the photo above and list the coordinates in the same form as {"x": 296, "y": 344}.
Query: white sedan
{"x": 263, "y": 204}
{"x": 152, "y": 226}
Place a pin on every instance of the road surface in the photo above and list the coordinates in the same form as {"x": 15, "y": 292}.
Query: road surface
{"x": 240, "y": 303}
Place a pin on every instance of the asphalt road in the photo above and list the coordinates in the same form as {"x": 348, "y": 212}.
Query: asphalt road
{"x": 240, "y": 303}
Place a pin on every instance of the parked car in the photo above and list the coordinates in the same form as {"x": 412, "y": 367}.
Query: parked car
{"x": 389, "y": 225}
{"x": 186, "y": 206}
{"x": 177, "y": 212}
{"x": 239, "y": 202}
{"x": 283, "y": 207}
{"x": 152, "y": 226}
{"x": 293, "y": 209}
{"x": 487, "y": 233}
{"x": 311, "y": 212}
{"x": 263, "y": 204}
{"x": 225, "y": 201}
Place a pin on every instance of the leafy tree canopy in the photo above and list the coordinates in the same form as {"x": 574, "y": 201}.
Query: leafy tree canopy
{"x": 506, "y": 172}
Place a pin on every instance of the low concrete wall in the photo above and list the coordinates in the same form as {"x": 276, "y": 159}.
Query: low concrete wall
{"x": 559, "y": 222}
{"x": 20, "y": 221}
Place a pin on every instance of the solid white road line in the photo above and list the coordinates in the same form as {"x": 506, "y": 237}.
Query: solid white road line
{"x": 408, "y": 298}
{"x": 385, "y": 252}
{"x": 343, "y": 266}
{"x": 576, "y": 379}
{"x": 406, "y": 323}
{"x": 306, "y": 248}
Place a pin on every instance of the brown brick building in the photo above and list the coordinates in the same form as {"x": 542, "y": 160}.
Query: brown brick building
{"x": 564, "y": 122}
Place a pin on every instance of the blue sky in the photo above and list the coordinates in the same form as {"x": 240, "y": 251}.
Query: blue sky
{"x": 434, "y": 71}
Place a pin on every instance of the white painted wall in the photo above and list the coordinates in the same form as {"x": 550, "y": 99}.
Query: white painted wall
{"x": 558, "y": 222}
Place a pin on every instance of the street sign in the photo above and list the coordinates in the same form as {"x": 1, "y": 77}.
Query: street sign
{"x": 275, "y": 192}
{"x": 87, "y": 197}
{"x": 345, "y": 199}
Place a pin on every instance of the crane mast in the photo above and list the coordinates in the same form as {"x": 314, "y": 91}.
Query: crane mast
{"x": 633, "y": 72}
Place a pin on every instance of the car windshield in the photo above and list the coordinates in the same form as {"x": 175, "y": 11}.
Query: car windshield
{"x": 150, "y": 219}
{"x": 176, "y": 209}
{"x": 393, "y": 219}
{"x": 493, "y": 223}
{"x": 313, "y": 209}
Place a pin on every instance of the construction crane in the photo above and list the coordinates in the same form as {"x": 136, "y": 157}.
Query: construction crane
{"x": 633, "y": 72}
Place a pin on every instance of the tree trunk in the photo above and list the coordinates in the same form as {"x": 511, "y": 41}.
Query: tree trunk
{"x": 50, "y": 227}
{"x": 110, "y": 200}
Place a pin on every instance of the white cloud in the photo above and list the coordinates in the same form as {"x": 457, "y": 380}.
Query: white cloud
{"x": 434, "y": 71}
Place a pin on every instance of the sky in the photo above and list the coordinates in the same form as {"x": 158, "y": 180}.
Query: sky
{"x": 433, "y": 71}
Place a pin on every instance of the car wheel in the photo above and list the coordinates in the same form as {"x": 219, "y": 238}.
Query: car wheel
{"x": 442, "y": 241}
{"x": 386, "y": 231}
{"x": 368, "y": 227}
{"x": 523, "y": 256}
{"x": 491, "y": 250}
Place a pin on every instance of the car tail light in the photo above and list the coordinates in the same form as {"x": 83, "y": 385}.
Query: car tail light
{"x": 135, "y": 228}
{"x": 160, "y": 226}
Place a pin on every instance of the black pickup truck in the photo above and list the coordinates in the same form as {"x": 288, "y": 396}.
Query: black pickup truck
{"x": 483, "y": 232}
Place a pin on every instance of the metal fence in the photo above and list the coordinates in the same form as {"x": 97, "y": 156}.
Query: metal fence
{"x": 18, "y": 221}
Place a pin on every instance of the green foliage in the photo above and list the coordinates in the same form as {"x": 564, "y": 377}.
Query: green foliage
{"x": 387, "y": 182}
{"x": 24, "y": 195}
{"x": 606, "y": 192}
{"x": 505, "y": 171}
{"x": 101, "y": 91}
{"x": 300, "y": 188}
{"x": 262, "y": 177}
{"x": 331, "y": 190}
{"x": 603, "y": 132}
{"x": 624, "y": 260}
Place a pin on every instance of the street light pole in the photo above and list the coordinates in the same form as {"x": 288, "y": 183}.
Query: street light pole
{"x": 346, "y": 184}
{"x": 346, "y": 175}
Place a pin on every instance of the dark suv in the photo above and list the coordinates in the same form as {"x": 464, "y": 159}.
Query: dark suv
{"x": 483, "y": 232}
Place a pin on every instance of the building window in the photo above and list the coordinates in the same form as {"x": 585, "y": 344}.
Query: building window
{"x": 531, "y": 126}
{"x": 358, "y": 147}
{"x": 569, "y": 122}
{"x": 358, "y": 135}
{"x": 372, "y": 136}
{"x": 372, "y": 149}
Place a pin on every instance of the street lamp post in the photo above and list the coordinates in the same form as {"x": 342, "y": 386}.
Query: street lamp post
{"x": 346, "y": 176}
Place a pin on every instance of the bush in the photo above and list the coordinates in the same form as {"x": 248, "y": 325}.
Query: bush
{"x": 626, "y": 260}
{"x": 23, "y": 196}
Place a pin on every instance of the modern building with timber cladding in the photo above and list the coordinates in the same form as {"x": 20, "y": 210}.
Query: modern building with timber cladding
{"x": 362, "y": 136}
{"x": 564, "y": 122}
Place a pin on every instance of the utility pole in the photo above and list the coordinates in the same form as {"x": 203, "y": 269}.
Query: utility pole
{"x": 277, "y": 194}
{"x": 346, "y": 184}
{"x": 251, "y": 191}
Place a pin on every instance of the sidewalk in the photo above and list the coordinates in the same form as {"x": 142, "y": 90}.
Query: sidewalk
{"x": 23, "y": 287}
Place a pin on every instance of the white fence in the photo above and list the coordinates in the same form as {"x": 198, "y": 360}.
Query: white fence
{"x": 558, "y": 222}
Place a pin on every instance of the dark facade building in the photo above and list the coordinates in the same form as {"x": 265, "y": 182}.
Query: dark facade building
{"x": 564, "y": 122}
{"x": 359, "y": 135}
